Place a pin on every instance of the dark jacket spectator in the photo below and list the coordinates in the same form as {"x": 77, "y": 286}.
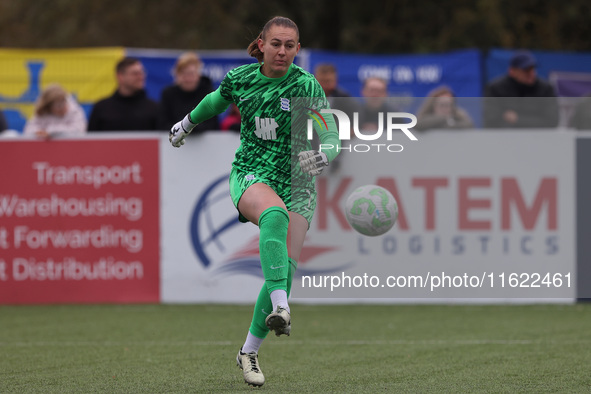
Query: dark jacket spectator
{"x": 3, "y": 123}
{"x": 375, "y": 101}
{"x": 124, "y": 113}
{"x": 327, "y": 76}
{"x": 175, "y": 103}
{"x": 129, "y": 108}
{"x": 520, "y": 99}
{"x": 189, "y": 89}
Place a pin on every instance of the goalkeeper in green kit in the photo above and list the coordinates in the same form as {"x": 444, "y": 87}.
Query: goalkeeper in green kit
{"x": 270, "y": 186}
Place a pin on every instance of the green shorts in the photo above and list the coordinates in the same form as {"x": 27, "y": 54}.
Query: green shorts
{"x": 301, "y": 201}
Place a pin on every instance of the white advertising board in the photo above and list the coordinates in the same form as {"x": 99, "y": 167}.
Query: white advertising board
{"x": 483, "y": 215}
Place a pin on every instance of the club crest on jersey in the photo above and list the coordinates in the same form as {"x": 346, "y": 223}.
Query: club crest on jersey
{"x": 284, "y": 104}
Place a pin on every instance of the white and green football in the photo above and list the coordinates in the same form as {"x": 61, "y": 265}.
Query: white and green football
{"x": 371, "y": 210}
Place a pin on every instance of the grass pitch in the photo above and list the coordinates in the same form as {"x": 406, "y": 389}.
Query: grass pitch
{"x": 344, "y": 348}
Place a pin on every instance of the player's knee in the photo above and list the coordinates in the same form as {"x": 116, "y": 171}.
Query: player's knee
{"x": 274, "y": 220}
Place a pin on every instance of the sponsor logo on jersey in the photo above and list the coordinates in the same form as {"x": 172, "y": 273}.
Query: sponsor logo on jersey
{"x": 266, "y": 128}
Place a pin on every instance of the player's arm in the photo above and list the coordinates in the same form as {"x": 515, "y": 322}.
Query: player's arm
{"x": 330, "y": 143}
{"x": 213, "y": 104}
{"x": 312, "y": 161}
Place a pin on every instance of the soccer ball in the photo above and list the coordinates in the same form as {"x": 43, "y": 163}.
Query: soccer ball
{"x": 371, "y": 210}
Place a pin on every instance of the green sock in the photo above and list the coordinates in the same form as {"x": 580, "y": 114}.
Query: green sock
{"x": 273, "y": 224}
{"x": 263, "y": 306}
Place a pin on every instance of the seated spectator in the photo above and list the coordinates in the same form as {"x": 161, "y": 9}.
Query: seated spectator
{"x": 56, "y": 113}
{"x": 520, "y": 99}
{"x": 189, "y": 88}
{"x": 3, "y": 123}
{"x": 129, "y": 108}
{"x": 232, "y": 121}
{"x": 327, "y": 76}
{"x": 440, "y": 111}
{"x": 375, "y": 100}
{"x": 581, "y": 118}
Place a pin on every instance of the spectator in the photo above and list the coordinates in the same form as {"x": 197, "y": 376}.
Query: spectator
{"x": 581, "y": 118}
{"x": 56, "y": 113}
{"x": 233, "y": 120}
{"x": 129, "y": 108}
{"x": 520, "y": 99}
{"x": 3, "y": 123}
{"x": 375, "y": 100}
{"x": 189, "y": 88}
{"x": 327, "y": 76}
{"x": 440, "y": 111}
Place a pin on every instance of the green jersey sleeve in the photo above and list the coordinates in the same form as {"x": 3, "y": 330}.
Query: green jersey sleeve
{"x": 212, "y": 104}
{"x": 327, "y": 131}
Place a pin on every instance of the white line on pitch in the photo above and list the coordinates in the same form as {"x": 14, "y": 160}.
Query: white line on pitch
{"x": 275, "y": 342}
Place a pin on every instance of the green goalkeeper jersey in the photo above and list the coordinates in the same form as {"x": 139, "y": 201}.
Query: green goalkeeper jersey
{"x": 274, "y": 113}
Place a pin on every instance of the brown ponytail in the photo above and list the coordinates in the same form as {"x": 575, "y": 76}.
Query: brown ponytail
{"x": 253, "y": 48}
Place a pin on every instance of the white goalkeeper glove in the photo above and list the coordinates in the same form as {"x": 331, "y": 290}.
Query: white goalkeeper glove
{"x": 179, "y": 131}
{"x": 312, "y": 162}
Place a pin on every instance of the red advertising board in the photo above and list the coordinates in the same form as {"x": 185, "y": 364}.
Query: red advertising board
{"x": 79, "y": 221}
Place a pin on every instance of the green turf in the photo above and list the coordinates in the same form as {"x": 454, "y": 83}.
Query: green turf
{"x": 345, "y": 348}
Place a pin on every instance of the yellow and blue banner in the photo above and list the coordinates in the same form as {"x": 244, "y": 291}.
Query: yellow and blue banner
{"x": 88, "y": 74}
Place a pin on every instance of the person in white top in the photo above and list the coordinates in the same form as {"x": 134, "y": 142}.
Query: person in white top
{"x": 56, "y": 113}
